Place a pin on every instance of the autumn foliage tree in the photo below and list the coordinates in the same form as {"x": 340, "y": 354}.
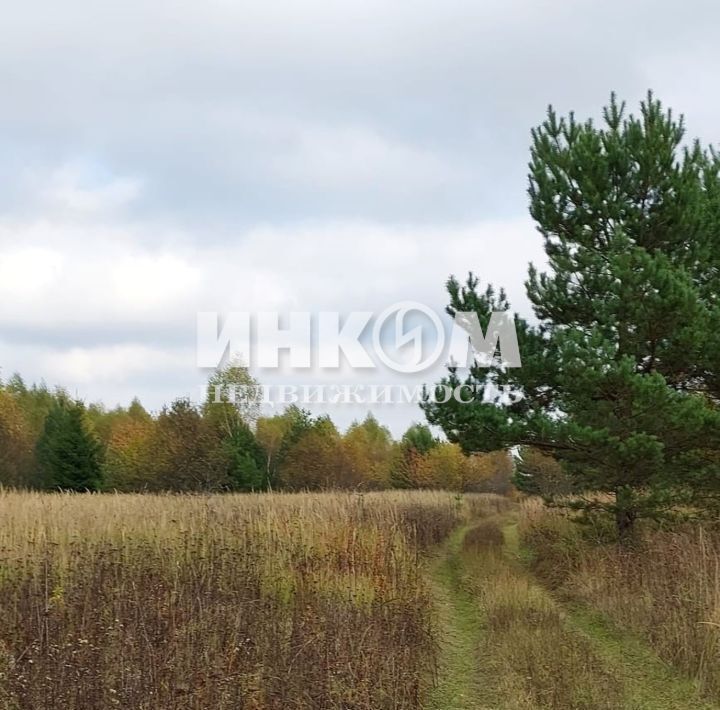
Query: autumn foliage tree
{"x": 540, "y": 474}
{"x": 490, "y": 472}
{"x": 186, "y": 451}
{"x": 16, "y": 444}
{"x": 128, "y": 462}
{"x": 414, "y": 445}
{"x": 368, "y": 449}
{"x": 48, "y": 441}
{"x": 314, "y": 460}
{"x": 442, "y": 467}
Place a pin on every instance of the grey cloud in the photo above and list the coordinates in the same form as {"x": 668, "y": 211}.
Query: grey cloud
{"x": 216, "y": 105}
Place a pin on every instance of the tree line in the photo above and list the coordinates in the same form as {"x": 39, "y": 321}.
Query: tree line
{"x": 50, "y": 441}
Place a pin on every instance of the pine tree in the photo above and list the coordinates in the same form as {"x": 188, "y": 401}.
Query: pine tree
{"x": 419, "y": 438}
{"x": 248, "y": 470}
{"x": 68, "y": 453}
{"x": 620, "y": 374}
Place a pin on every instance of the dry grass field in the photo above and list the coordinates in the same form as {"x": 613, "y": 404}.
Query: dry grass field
{"x": 540, "y": 613}
{"x": 341, "y": 601}
{"x": 266, "y": 601}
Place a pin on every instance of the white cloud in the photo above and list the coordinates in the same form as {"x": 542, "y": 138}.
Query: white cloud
{"x": 28, "y": 273}
{"x": 66, "y": 190}
{"x": 102, "y": 365}
{"x": 88, "y": 273}
{"x": 147, "y": 281}
{"x": 107, "y": 311}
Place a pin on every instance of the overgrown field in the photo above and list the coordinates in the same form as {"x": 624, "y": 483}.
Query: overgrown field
{"x": 340, "y": 601}
{"x": 264, "y": 601}
{"x": 529, "y": 656}
{"x": 665, "y": 589}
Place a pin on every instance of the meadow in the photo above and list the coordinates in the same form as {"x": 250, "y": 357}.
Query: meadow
{"x": 397, "y": 599}
{"x": 557, "y": 615}
{"x": 234, "y": 601}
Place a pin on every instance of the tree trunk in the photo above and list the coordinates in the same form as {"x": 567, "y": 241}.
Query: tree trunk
{"x": 625, "y": 515}
{"x": 625, "y": 521}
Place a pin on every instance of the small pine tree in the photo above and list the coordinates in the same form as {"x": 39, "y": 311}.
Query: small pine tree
{"x": 419, "y": 438}
{"x": 68, "y": 453}
{"x": 248, "y": 471}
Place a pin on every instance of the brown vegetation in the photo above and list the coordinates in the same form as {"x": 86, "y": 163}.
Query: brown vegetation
{"x": 666, "y": 587}
{"x": 171, "y": 602}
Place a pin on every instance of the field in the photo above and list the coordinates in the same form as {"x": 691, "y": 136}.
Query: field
{"x": 267, "y": 601}
{"x": 346, "y": 601}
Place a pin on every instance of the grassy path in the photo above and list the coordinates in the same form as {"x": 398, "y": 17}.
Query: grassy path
{"x": 508, "y": 644}
{"x": 460, "y": 682}
{"x": 648, "y": 682}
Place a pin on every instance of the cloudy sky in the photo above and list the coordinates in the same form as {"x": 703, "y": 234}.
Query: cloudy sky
{"x": 161, "y": 158}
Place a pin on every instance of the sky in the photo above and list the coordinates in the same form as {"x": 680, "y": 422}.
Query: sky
{"x": 160, "y": 159}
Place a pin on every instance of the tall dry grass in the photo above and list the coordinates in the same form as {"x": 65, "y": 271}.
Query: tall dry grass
{"x": 265, "y": 601}
{"x": 666, "y": 588}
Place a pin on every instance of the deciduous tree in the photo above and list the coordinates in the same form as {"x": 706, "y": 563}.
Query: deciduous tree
{"x": 16, "y": 444}
{"x": 368, "y": 448}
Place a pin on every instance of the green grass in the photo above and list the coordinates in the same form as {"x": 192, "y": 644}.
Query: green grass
{"x": 460, "y": 684}
{"x": 651, "y": 684}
